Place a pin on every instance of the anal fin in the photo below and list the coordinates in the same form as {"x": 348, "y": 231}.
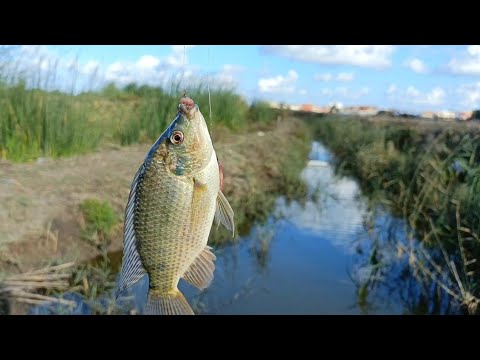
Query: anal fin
{"x": 200, "y": 272}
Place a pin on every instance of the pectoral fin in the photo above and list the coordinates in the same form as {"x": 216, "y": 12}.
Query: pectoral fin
{"x": 224, "y": 213}
{"x": 199, "y": 186}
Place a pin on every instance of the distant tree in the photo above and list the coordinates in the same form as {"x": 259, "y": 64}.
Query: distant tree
{"x": 110, "y": 90}
{"x": 131, "y": 88}
{"x": 334, "y": 110}
{"x": 475, "y": 115}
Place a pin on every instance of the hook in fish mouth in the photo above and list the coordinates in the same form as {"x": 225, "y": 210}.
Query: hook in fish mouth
{"x": 188, "y": 107}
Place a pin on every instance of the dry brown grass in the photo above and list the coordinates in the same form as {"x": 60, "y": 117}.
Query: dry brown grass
{"x": 25, "y": 287}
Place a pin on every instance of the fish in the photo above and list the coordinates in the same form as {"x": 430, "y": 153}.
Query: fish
{"x": 175, "y": 196}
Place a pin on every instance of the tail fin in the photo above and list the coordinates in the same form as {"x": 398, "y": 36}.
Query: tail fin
{"x": 173, "y": 303}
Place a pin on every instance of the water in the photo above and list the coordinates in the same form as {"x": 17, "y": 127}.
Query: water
{"x": 330, "y": 255}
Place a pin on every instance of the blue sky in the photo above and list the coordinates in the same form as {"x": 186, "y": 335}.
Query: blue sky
{"x": 408, "y": 78}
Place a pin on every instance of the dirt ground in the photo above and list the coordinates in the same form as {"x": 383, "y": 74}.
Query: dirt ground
{"x": 40, "y": 219}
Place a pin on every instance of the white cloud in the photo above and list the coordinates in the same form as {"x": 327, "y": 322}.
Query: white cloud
{"x": 345, "y": 76}
{"x": 144, "y": 71}
{"x": 337, "y": 104}
{"x": 232, "y": 68}
{"x": 323, "y": 77}
{"x": 413, "y": 92}
{"x": 279, "y": 84}
{"x": 417, "y": 66}
{"x": 470, "y": 95}
{"x": 468, "y": 63}
{"x": 90, "y": 67}
{"x": 148, "y": 62}
{"x": 151, "y": 70}
{"x": 35, "y": 51}
{"x": 364, "y": 91}
{"x": 41, "y": 62}
{"x": 392, "y": 89}
{"x": 179, "y": 56}
{"x": 345, "y": 92}
{"x": 345, "y": 214}
{"x": 326, "y": 92}
{"x": 474, "y": 50}
{"x": 35, "y": 57}
{"x": 434, "y": 97}
{"x": 228, "y": 74}
{"x": 412, "y": 95}
{"x": 302, "y": 92}
{"x": 375, "y": 56}
{"x": 38, "y": 64}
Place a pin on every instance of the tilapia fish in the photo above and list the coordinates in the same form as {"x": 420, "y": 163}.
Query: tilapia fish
{"x": 174, "y": 199}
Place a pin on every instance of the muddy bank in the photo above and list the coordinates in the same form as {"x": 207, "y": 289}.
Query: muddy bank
{"x": 40, "y": 217}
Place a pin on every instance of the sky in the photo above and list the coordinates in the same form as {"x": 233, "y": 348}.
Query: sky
{"x": 411, "y": 78}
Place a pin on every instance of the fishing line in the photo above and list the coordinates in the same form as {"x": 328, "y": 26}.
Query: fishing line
{"x": 209, "y": 97}
{"x": 208, "y": 84}
{"x": 183, "y": 69}
{"x": 184, "y": 54}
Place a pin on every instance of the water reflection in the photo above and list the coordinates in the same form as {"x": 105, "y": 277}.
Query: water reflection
{"x": 329, "y": 255}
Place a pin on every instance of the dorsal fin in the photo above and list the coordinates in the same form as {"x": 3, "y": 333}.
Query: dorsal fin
{"x": 132, "y": 267}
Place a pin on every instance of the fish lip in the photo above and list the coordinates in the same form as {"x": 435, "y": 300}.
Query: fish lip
{"x": 187, "y": 107}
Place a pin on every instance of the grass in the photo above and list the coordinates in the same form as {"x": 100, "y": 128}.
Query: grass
{"x": 35, "y": 122}
{"x": 261, "y": 112}
{"x": 430, "y": 177}
{"x": 100, "y": 220}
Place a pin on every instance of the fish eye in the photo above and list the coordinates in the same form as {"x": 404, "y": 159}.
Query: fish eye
{"x": 176, "y": 137}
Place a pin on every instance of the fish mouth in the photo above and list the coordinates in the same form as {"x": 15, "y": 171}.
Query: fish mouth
{"x": 187, "y": 107}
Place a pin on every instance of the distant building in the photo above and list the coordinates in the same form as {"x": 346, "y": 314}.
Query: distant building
{"x": 465, "y": 115}
{"x": 428, "y": 115}
{"x": 315, "y": 109}
{"x": 446, "y": 115}
{"x": 321, "y": 109}
{"x": 307, "y": 107}
{"x": 275, "y": 105}
{"x": 360, "y": 110}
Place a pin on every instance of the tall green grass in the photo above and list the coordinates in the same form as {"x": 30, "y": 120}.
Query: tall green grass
{"x": 261, "y": 111}
{"x": 36, "y": 122}
{"x": 158, "y": 106}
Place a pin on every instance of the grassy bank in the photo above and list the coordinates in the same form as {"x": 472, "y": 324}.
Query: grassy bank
{"x": 428, "y": 176}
